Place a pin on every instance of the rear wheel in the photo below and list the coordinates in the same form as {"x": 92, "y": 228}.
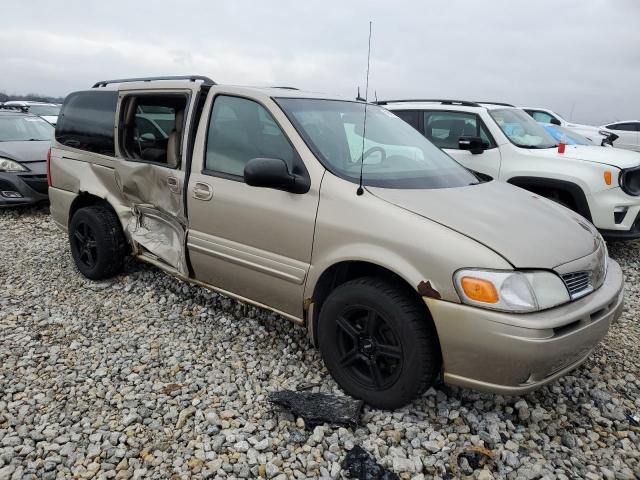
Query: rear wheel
{"x": 97, "y": 243}
{"x": 378, "y": 342}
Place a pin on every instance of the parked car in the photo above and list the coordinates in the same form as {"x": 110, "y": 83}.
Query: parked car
{"x": 417, "y": 269}
{"x": 564, "y": 135}
{"x": 504, "y": 143}
{"x": 48, "y": 111}
{"x": 544, "y": 115}
{"x": 628, "y": 133}
{"x": 24, "y": 143}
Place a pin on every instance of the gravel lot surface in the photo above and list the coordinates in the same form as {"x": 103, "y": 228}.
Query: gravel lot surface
{"x": 147, "y": 377}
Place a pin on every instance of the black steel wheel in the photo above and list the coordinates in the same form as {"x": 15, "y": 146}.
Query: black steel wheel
{"x": 378, "y": 342}
{"x": 369, "y": 349}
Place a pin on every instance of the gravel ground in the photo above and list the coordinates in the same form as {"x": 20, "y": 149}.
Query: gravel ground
{"x": 147, "y": 377}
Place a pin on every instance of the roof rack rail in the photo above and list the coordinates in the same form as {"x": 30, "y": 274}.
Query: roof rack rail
{"x": 192, "y": 78}
{"x": 497, "y": 103}
{"x": 431, "y": 100}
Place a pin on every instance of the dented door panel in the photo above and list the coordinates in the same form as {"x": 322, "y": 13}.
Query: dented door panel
{"x": 154, "y": 194}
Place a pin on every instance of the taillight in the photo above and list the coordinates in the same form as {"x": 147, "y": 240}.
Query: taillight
{"x": 49, "y": 167}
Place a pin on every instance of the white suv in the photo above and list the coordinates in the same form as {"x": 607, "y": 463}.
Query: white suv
{"x": 504, "y": 143}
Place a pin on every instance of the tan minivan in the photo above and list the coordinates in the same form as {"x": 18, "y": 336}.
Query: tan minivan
{"x": 254, "y": 192}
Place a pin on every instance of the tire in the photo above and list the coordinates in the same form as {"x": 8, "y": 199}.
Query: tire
{"x": 97, "y": 243}
{"x": 368, "y": 325}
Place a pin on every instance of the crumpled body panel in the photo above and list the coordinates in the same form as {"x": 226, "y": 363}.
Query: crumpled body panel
{"x": 160, "y": 234}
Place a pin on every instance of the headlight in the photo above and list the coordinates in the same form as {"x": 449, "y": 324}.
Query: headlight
{"x": 510, "y": 291}
{"x": 7, "y": 165}
{"x": 630, "y": 181}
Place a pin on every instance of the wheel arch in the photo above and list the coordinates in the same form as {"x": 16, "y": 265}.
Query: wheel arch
{"x": 86, "y": 199}
{"x": 540, "y": 185}
{"x": 346, "y": 270}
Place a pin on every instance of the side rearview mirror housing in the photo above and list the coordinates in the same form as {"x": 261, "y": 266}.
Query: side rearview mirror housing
{"x": 473, "y": 144}
{"x": 274, "y": 173}
{"x": 555, "y": 121}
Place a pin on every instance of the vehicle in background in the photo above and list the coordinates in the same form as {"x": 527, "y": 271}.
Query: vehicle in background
{"x": 628, "y": 133}
{"x": 566, "y": 136}
{"x": 399, "y": 262}
{"x": 544, "y": 115}
{"x": 24, "y": 142}
{"x": 48, "y": 111}
{"x": 504, "y": 143}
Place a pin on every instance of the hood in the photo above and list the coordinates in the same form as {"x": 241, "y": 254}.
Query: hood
{"x": 52, "y": 119}
{"x": 615, "y": 157}
{"x": 582, "y": 127}
{"x": 25, "y": 152}
{"x": 527, "y": 230}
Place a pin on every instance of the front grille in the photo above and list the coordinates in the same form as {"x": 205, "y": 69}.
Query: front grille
{"x": 578, "y": 283}
{"x": 37, "y": 182}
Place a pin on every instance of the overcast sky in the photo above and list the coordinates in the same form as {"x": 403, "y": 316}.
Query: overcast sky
{"x": 580, "y": 55}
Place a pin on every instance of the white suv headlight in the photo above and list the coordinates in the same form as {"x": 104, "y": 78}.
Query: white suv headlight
{"x": 7, "y": 165}
{"x": 510, "y": 291}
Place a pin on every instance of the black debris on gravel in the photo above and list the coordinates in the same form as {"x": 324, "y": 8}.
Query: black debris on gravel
{"x": 361, "y": 465}
{"x": 319, "y": 408}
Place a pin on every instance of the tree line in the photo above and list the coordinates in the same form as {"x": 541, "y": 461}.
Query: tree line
{"x": 35, "y": 97}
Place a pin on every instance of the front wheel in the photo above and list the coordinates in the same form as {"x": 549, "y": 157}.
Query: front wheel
{"x": 378, "y": 343}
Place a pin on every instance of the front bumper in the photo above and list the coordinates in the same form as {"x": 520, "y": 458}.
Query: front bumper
{"x": 512, "y": 354}
{"x": 603, "y": 204}
{"x": 25, "y": 188}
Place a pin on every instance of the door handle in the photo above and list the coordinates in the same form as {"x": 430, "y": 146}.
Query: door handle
{"x": 174, "y": 184}
{"x": 202, "y": 191}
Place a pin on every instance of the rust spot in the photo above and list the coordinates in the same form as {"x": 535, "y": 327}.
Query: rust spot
{"x": 426, "y": 290}
{"x": 477, "y": 458}
{"x": 307, "y": 303}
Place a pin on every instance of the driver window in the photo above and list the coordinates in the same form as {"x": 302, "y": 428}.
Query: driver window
{"x": 240, "y": 130}
{"x": 444, "y": 129}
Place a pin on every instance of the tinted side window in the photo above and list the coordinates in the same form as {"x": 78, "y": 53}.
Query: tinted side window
{"x": 412, "y": 117}
{"x": 87, "y": 121}
{"x": 625, "y": 127}
{"x": 240, "y": 130}
{"x": 444, "y": 129}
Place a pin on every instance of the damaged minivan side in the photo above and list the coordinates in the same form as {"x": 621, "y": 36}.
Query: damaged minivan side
{"x": 252, "y": 192}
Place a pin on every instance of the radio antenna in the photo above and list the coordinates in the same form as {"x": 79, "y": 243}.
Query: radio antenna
{"x": 360, "y": 190}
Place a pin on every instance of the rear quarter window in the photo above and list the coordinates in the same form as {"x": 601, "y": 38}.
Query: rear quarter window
{"x": 87, "y": 121}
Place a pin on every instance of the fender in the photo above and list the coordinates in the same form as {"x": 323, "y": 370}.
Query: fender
{"x": 576, "y": 192}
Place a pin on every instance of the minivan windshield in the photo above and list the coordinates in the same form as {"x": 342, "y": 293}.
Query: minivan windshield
{"x": 522, "y": 130}
{"x": 395, "y": 155}
{"x": 23, "y": 128}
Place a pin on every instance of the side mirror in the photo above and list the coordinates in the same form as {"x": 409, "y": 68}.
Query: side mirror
{"x": 274, "y": 173}
{"x": 555, "y": 121}
{"x": 473, "y": 144}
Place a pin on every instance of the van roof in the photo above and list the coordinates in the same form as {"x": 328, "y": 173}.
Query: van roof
{"x": 190, "y": 80}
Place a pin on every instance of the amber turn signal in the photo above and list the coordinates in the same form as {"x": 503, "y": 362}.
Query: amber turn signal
{"x": 607, "y": 177}
{"x": 479, "y": 290}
